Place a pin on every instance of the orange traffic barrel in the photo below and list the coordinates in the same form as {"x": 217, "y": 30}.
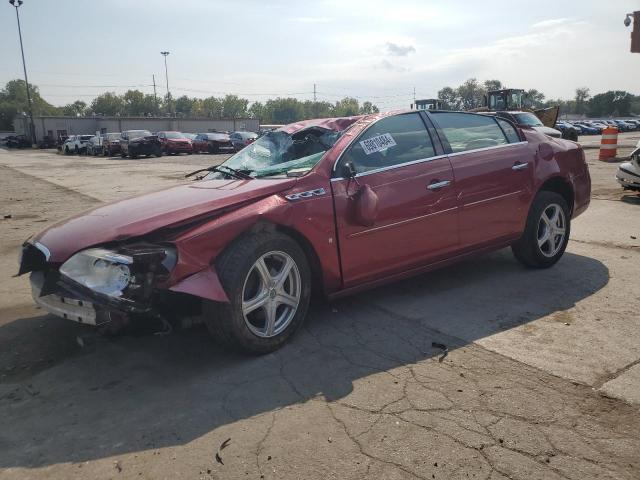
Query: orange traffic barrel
{"x": 609, "y": 143}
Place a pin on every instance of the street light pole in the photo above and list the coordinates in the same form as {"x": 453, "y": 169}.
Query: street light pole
{"x": 166, "y": 74}
{"x": 16, "y": 4}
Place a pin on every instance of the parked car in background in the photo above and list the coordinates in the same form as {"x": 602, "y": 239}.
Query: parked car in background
{"x": 174, "y": 143}
{"x": 529, "y": 119}
{"x": 625, "y": 126}
{"x": 111, "y": 144}
{"x": 94, "y": 146}
{"x": 76, "y": 144}
{"x": 134, "y": 143}
{"x": 239, "y": 140}
{"x": 212, "y": 142}
{"x": 568, "y": 131}
{"x": 17, "y": 141}
{"x": 332, "y": 206}
{"x": 628, "y": 174}
{"x": 587, "y": 129}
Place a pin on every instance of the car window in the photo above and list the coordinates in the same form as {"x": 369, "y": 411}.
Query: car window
{"x": 527, "y": 118}
{"x": 468, "y": 131}
{"x": 390, "y": 141}
{"x": 509, "y": 130}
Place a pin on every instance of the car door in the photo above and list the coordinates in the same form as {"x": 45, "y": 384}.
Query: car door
{"x": 493, "y": 169}
{"x": 415, "y": 224}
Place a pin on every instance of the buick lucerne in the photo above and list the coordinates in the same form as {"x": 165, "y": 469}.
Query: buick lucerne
{"x": 332, "y": 206}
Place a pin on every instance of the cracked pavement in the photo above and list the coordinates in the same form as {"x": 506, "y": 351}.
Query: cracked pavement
{"x": 540, "y": 380}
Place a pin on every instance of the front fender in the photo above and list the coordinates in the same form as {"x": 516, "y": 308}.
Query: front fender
{"x": 310, "y": 218}
{"x": 204, "y": 284}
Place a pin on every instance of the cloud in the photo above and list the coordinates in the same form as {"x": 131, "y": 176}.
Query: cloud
{"x": 552, "y": 22}
{"x": 387, "y": 65}
{"x": 399, "y": 50}
{"x": 311, "y": 19}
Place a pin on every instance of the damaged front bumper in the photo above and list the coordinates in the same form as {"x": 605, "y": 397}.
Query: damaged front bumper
{"x": 65, "y": 304}
{"x": 628, "y": 175}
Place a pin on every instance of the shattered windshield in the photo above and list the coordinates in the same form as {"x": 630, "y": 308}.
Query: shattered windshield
{"x": 280, "y": 153}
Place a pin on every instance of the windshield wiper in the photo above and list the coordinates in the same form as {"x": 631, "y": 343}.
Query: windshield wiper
{"x": 240, "y": 174}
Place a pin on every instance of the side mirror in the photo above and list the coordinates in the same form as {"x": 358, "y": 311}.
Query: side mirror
{"x": 365, "y": 206}
{"x": 348, "y": 170}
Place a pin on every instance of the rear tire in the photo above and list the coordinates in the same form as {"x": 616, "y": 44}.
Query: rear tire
{"x": 158, "y": 152}
{"x": 266, "y": 276}
{"x": 546, "y": 233}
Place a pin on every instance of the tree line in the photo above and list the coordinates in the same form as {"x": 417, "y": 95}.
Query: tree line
{"x": 134, "y": 103}
{"x": 470, "y": 94}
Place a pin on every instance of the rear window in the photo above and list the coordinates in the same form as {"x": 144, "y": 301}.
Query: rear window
{"x": 86, "y": 137}
{"x": 468, "y": 131}
{"x": 138, "y": 133}
{"x": 173, "y": 135}
{"x": 217, "y": 136}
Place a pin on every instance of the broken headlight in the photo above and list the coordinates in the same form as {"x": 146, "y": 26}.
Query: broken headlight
{"x": 100, "y": 270}
{"x": 130, "y": 272}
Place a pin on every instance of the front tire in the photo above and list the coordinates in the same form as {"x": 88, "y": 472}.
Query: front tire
{"x": 268, "y": 281}
{"x": 546, "y": 233}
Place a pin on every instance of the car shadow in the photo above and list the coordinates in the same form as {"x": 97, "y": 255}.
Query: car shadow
{"x": 633, "y": 199}
{"x": 138, "y": 393}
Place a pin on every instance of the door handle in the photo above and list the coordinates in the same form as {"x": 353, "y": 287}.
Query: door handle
{"x": 438, "y": 185}
{"x": 519, "y": 166}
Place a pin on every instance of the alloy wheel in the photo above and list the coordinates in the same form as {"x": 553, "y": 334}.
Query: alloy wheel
{"x": 552, "y": 228}
{"x": 271, "y": 294}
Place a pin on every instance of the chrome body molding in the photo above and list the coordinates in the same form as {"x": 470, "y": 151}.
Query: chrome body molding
{"x": 43, "y": 249}
{"x": 308, "y": 194}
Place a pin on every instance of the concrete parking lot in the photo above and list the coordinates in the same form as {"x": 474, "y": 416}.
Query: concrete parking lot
{"x": 541, "y": 380}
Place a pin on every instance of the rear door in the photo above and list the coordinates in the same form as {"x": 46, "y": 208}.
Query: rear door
{"x": 416, "y": 215}
{"x": 493, "y": 169}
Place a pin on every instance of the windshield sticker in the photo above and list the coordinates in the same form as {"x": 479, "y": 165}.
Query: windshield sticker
{"x": 378, "y": 143}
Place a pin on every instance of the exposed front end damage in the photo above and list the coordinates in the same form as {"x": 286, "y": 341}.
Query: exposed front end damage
{"x": 102, "y": 286}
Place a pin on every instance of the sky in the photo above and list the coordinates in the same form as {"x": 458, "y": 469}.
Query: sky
{"x": 370, "y": 49}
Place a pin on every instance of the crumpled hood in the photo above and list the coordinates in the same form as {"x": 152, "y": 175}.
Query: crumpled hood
{"x": 141, "y": 215}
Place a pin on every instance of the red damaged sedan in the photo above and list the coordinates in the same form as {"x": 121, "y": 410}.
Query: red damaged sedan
{"x": 333, "y": 205}
{"x": 175, "y": 143}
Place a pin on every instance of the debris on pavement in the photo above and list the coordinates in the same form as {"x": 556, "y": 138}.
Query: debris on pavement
{"x": 10, "y": 216}
{"x": 443, "y": 347}
{"x": 223, "y": 445}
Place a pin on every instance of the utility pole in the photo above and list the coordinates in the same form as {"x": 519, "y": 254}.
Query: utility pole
{"x": 635, "y": 34}
{"x": 166, "y": 73}
{"x": 32, "y": 127}
{"x": 155, "y": 95}
{"x": 314, "y": 93}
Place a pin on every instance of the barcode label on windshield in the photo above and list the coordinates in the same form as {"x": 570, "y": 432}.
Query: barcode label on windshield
{"x": 377, "y": 143}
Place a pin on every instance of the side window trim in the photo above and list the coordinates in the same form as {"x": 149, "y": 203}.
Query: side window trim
{"x": 512, "y": 125}
{"x": 388, "y": 167}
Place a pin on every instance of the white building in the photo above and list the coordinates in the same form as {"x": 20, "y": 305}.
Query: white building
{"x": 55, "y": 127}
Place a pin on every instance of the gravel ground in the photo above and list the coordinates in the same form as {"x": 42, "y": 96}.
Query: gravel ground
{"x": 541, "y": 379}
